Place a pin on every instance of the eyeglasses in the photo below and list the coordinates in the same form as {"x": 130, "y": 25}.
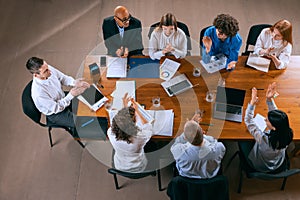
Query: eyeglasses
{"x": 125, "y": 19}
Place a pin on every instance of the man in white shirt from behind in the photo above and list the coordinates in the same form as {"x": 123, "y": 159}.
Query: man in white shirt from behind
{"x": 197, "y": 155}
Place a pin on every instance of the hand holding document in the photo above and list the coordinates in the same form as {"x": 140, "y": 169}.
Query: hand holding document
{"x": 122, "y": 87}
{"x": 260, "y": 122}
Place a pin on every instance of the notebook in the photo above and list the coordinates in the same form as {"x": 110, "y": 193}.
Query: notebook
{"x": 229, "y": 104}
{"x": 93, "y": 98}
{"x": 177, "y": 85}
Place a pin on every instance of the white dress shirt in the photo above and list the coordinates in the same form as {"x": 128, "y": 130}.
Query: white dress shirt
{"x": 131, "y": 157}
{"x": 283, "y": 52}
{"x": 48, "y": 95}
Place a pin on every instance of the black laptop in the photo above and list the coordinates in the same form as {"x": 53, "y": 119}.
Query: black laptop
{"x": 229, "y": 104}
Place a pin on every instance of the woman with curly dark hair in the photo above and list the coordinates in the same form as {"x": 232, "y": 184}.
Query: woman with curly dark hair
{"x": 222, "y": 38}
{"x": 129, "y": 139}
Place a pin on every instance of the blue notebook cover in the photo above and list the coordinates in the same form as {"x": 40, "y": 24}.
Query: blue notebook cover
{"x": 143, "y": 68}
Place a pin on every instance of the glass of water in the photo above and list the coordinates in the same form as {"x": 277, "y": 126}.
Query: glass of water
{"x": 210, "y": 96}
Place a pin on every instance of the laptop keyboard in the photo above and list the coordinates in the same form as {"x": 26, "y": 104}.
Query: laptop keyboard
{"x": 229, "y": 109}
{"x": 178, "y": 87}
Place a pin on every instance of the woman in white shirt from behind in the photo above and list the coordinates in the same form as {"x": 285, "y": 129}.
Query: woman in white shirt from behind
{"x": 167, "y": 39}
{"x": 276, "y": 43}
{"x": 128, "y": 139}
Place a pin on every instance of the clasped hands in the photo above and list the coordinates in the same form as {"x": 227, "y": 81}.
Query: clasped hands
{"x": 168, "y": 49}
{"x": 122, "y": 52}
{"x": 271, "y": 92}
{"x": 79, "y": 87}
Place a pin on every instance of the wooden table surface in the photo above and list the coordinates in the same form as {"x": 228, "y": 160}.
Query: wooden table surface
{"x": 185, "y": 104}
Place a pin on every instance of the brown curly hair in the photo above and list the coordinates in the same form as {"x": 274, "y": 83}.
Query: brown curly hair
{"x": 226, "y": 24}
{"x": 123, "y": 124}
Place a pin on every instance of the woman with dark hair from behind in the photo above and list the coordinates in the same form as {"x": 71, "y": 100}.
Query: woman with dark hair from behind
{"x": 276, "y": 43}
{"x": 167, "y": 39}
{"x": 268, "y": 153}
{"x": 129, "y": 138}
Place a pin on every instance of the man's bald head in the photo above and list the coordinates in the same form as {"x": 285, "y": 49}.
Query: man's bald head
{"x": 122, "y": 16}
{"x": 121, "y": 10}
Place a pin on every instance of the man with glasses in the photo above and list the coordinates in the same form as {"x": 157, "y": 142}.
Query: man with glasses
{"x": 222, "y": 38}
{"x": 122, "y": 34}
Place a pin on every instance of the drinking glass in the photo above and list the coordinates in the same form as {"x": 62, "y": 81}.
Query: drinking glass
{"x": 156, "y": 101}
{"x": 196, "y": 71}
{"x": 210, "y": 96}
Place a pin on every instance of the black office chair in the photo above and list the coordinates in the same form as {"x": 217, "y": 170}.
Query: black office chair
{"x": 253, "y": 35}
{"x": 132, "y": 175}
{"x": 200, "y": 38}
{"x": 183, "y": 188}
{"x": 183, "y": 27}
{"x": 284, "y": 170}
{"x": 33, "y": 113}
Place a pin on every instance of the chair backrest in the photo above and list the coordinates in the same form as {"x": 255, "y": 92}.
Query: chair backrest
{"x": 180, "y": 25}
{"x": 253, "y": 35}
{"x": 187, "y": 188}
{"x": 28, "y": 106}
{"x": 200, "y": 38}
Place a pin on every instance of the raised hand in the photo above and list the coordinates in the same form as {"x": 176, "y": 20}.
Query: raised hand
{"x": 254, "y": 97}
{"x": 271, "y": 91}
{"x": 207, "y": 42}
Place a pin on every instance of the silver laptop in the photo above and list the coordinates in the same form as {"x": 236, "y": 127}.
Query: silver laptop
{"x": 177, "y": 85}
{"x": 229, "y": 104}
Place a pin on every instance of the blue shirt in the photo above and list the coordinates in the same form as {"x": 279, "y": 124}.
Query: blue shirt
{"x": 198, "y": 161}
{"x": 230, "y": 47}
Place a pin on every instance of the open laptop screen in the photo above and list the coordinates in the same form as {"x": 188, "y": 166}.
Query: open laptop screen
{"x": 230, "y": 96}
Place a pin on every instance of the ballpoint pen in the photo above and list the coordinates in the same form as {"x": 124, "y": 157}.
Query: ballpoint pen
{"x": 206, "y": 124}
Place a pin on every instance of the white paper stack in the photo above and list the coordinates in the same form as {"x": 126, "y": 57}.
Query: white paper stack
{"x": 116, "y": 67}
{"x": 122, "y": 87}
{"x": 163, "y": 122}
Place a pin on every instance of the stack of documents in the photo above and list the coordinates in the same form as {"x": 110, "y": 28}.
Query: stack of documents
{"x": 122, "y": 87}
{"x": 116, "y": 67}
{"x": 258, "y": 62}
{"x": 163, "y": 122}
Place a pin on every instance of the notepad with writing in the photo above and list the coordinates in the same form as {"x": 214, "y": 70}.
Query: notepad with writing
{"x": 116, "y": 67}
{"x": 168, "y": 68}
